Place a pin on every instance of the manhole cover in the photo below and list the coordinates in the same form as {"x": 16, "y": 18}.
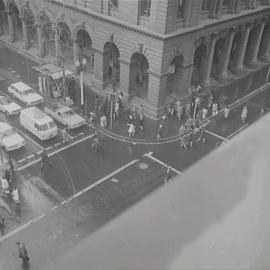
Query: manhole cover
{"x": 143, "y": 166}
{"x": 114, "y": 180}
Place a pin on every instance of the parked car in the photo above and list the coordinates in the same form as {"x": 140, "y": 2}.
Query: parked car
{"x": 9, "y": 138}
{"x": 65, "y": 115}
{"x": 25, "y": 93}
{"x": 8, "y": 106}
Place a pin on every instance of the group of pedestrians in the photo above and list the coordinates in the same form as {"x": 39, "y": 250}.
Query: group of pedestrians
{"x": 8, "y": 185}
{"x": 135, "y": 120}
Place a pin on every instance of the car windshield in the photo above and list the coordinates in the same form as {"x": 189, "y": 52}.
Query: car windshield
{"x": 47, "y": 126}
{"x": 28, "y": 92}
{"x": 67, "y": 114}
{"x": 7, "y": 132}
{"x": 5, "y": 101}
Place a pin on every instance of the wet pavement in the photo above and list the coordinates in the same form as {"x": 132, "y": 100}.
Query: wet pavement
{"x": 95, "y": 187}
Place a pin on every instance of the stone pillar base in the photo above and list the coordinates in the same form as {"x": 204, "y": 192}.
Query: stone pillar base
{"x": 238, "y": 71}
{"x": 12, "y": 39}
{"x": 265, "y": 59}
{"x": 252, "y": 65}
{"x": 26, "y": 46}
{"x": 222, "y": 78}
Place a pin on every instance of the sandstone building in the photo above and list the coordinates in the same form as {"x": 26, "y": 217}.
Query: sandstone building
{"x": 152, "y": 50}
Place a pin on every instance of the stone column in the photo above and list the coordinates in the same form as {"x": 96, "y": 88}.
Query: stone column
{"x": 219, "y": 8}
{"x": 2, "y": 16}
{"x": 57, "y": 48}
{"x": 75, "y": 50}
{"x": 206, "y": 77}
{"x": 11, "y": 27}
{"x": 98, "y": 69}
{"x": 252, "y": 61}
{"x": 25, "y": 34}
{"x": 265, "y": 47}
{"x": 223, "y": 72}
{"x": 41, "y": 43}
{"x": 239, "y": 66}
{"x": 124, "y": 78}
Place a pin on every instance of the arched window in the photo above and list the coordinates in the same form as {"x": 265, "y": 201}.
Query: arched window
{"x": 145, "y": 7}
{"x": 181, "y": 7}
{"x": 206, "y": 4}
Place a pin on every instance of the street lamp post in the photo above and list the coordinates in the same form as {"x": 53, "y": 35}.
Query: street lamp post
{"x": 81, "y": 68}
{"x": 197, "y": 102}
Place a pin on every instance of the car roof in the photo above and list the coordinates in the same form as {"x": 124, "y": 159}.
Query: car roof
{"x": 21, "y": 86}
{"x": 58, "y": 107}
{"x": 38, "y": 115}
{"x": 4, "y": 126}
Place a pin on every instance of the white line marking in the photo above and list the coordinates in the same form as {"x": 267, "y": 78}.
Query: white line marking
{"x": 57, "y": 144}
{"x": 238, "y": 130}
{"x": 39, "y": 152}
{"x": 55, "y": 152}
{"x": 216, "y": 135}
{"x": 49, "y": 148}
{"x": 18, "y": 229}
{"x": 75, "y": 136}
{"x": 150, "y": 155}
{"x": 21, "y": 160}
{"x": 81, "y": 133}
{"x": 30, "y": 156}
{"x": 36, "y": 219}
{"x": 105, "y": 178}
{"x": 29, "y": 138}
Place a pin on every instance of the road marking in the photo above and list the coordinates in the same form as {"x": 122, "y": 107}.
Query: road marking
{"x": 30, "y": 156}
{"x": 39, "y": 152}
{"x": 216, "y": 135}
{"x": 29, "y": 138}
{"x": 81, "y": 133}
{"x": 21, "y": 160}
{"x": 150, "y": 155}
{"x": 18, "y": 229}
{"x": 57, "y": 144}
{"x": 105, "y": 178}
{"x": 36, "y": 219}
{"x": 55, "y": 152}
{"x": 238, "y": 130}
{"x": 49, "y": 148}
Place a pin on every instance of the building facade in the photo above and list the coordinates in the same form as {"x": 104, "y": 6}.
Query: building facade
{"x": 151, "y": 50}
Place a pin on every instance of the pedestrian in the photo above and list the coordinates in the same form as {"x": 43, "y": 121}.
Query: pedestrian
{"x": 5, "y": 186}
{"x": 214, "y": 109}
{"x": 131, "y": 130}
{"x": 97, "y": 104}
{"x": 141, "y": 120}
{"x": 92, "y": 119}
{"x": 96, "y": 142}
{"x": 65, "y": 137}
{"x": 44, "y": 160}
{"x": 202, "y": 132}
{"x": 185, "y": 140}
{"x": 11, "y": 165}
{"x": 2, "y": 225}
{"x": 204, "y": 113}
{"x": 187, "y": 110}
{"x": 160, "y": 128}
{"x": 181, "y": 132}
{"x": 23, "y": 253}
{"x": 189, "y": 124}
{"x": 16, "y": 197}
{"x": 244, "y": 114}
{"x": 171, "y": 108}
{"x": 226, "y": 111}
{"x": 116, "y": 109}
{"x": 167, "y": 175}
{"x": 262, "y": 112}
{"x": 190, "y": 138}
{"x": 179, "y": 111}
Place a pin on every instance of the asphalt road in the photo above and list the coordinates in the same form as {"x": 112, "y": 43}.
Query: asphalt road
{"x": 84, "y": 190}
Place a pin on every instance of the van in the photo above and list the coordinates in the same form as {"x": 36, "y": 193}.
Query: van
{"x": 25, "y": 94}
{"x": 38, "y": 123}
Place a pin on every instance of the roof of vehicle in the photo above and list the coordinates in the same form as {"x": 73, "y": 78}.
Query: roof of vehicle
{"x": 57, "y": 107}
{"x": 37, "y": 114}
{"x": 4, "y": 126}
{"x": 22, "y": 86}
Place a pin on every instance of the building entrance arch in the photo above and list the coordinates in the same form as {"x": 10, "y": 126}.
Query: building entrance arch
{"x": 85, "y": 46}
{"x": 174, "y": 80}
{"x": 3, "y": 18}
{"x": 217, "y": 57}
{"x": 111, "y": 65}
{"x": 64, "y": 35}
{"x": 139, "y": 77}
{"x": 28, "y": 17}
{"x": 17, "y": 21}
{"x": 199, "y": 64}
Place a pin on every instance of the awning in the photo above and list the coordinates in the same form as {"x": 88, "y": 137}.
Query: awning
{"x": 53, "y": 71}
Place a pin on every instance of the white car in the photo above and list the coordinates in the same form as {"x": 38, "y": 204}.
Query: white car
{"x": 65, "y": 115}
{"x": 8, "y": 106}
{"x": 25, "y": 93}
{"x": 9, "y": 138}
